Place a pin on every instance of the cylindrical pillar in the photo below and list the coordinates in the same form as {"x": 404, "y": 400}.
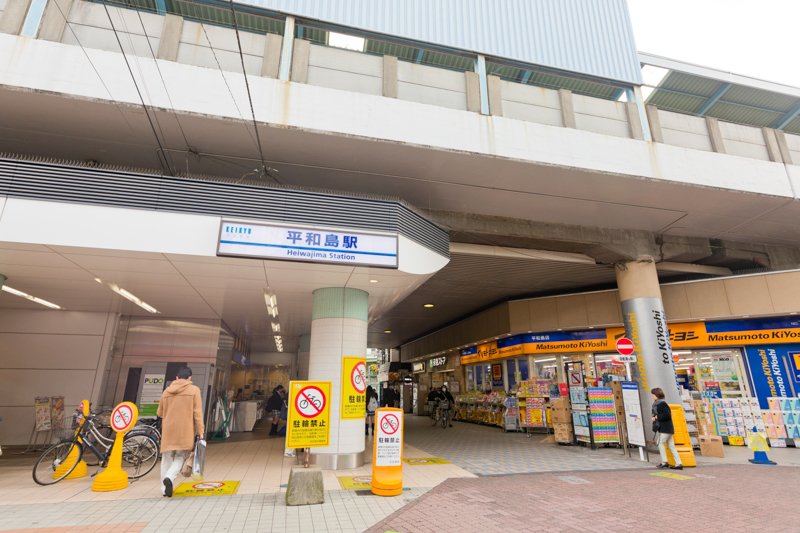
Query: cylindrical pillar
{"x": 303, "y": 353}
{"x": 646, "y": 325}
{"x": 338, "y": 329}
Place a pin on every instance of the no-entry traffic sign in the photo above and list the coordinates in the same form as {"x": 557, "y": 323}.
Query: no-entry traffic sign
{"x": 625, "y": 346}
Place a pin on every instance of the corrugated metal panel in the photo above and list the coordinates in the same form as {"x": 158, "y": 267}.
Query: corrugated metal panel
{"x": 44, "y": 181}
{"x": 758, "y": 98}
{"x": 585, "y": 36}
{"x": 686, "y": 83}
{"x": 742, "y": 114}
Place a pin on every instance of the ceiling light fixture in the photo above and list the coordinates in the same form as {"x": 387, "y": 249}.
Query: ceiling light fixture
{"x": 128, "y": 296}
{"x": 27, "y": 296}
{"x": 272, "y": 303}
{"x": 279, "y": 343}
{"x": 373, "y": 281}
{"x": 276, "y": 327}
{"x": 387, "y": 331}
{"x": 427, "y": 306}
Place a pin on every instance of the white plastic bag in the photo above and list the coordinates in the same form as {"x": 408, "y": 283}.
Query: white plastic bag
{"x": 199, "y": 459}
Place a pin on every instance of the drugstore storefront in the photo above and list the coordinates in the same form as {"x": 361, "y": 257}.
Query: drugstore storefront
{"x": 757, "y": 358}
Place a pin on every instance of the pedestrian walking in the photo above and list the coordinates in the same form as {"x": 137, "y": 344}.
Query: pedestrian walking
{"x": 664, "y": 430}
{"x": 372, "y": 406}
{"x": 181, "y": 411}
{"x": 274, "y": 405}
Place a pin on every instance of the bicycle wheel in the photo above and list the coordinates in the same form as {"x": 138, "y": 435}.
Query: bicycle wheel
{"x": 444, "y": 419}
{"x": 139, "y": 455}
{"x": 57, "y": 462}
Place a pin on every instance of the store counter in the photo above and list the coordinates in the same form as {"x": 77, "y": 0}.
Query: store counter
{"x": 246, "y": 414}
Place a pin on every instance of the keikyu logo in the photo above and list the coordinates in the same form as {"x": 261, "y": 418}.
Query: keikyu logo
{"x": 232, "y": 230}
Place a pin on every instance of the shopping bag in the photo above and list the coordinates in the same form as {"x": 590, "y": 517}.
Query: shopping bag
{"x": 199, "y": 459}
{"x": 186, "y": 469}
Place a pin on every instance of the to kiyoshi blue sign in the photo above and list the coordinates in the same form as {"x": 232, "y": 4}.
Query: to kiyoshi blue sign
{"x": 305, "y": 243}
{"x": 774, "y": 371}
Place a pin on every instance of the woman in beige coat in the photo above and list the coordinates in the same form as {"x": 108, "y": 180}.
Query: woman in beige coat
{"x": 181, "y": 409}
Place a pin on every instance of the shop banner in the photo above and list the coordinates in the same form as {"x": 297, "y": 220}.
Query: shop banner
{"x": 771, "y": 372}
{"x": 354, "y": 388}
{"x": 42, "y": 411}
{"x": 152, "y": 388}
{"x": 646, "y": 325}
{"x": 309, "y": 414}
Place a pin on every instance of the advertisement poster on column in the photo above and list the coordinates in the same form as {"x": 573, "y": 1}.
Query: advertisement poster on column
{"x": 309, "y": 414}
{"x": 354, "y": 388}
{"x": 633, "y": 413}
{"x": 773, "y": 371}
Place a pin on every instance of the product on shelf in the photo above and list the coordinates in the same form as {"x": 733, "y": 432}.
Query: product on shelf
{"x": 603, "y": 415}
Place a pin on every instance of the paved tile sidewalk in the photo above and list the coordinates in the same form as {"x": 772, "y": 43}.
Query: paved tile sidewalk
{"x": 717, "y": 498}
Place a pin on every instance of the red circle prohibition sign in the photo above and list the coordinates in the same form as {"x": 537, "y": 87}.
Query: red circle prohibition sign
{"x": 310, "y": 401}
{"x": 625, "y": 346}
{"x": 121, "y": 418}
{"x": 390, "y": 424}
{"x": 358, "y": 377}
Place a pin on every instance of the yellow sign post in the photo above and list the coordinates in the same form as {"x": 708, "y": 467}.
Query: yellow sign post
{"x": 80, "y": 469}
{"x": 354, "y": 387}
{"x": 309, "y": 414}
{"x": 123, "y": 417}
{"x": 387, "y": 452}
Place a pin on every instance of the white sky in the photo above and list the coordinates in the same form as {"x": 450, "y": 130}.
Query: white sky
{"x": 758, "y": 38}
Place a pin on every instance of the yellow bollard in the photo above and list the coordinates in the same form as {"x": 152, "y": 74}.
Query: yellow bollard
{"x": 123, "y": 417}
{"x": 81, "y": 470}
{"x": 683, "y": 442}
{"x": 387, "y": 452}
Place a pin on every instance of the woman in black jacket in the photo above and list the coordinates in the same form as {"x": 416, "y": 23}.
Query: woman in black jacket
{"x": 664, "y": 430}
{"x": 274, "y": 405}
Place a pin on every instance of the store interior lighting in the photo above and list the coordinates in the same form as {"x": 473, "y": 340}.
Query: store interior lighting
{"x": 276, "y": 327}
{"x": 27, "y": 296}
{"x": 279, "y": 343}
{"x": 128, "y": 296}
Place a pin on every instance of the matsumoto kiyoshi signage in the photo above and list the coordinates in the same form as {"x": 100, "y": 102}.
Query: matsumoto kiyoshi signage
{"x": 307, "y": 243}
{"x": 774, "y": 371}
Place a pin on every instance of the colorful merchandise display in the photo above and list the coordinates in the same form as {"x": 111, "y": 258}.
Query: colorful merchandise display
{"x": 603, "y": 416}
{"x": 782, "y": 421}
{"x": 535, "y": 415}
{"x": 481, "y": 408}
{"x": 736, "y": 416}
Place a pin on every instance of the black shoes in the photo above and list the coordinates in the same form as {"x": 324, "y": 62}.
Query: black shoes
{"x": 662, "y": 465}
{"x": 676, "y": 467}
{"x": 167, "y": 487}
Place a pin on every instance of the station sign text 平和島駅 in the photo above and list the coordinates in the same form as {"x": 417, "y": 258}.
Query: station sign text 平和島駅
{"x": 307, "y": 243}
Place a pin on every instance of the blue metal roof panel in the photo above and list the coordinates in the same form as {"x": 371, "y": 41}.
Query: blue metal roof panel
{"x": 584, "y": 36}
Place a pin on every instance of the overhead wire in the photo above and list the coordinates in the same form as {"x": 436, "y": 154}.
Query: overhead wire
{"x": 161, "y": 76}
{"x": 161, "y": 153}
{"x": 264, "y": 168}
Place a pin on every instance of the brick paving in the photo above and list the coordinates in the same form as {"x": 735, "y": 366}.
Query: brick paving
{"x": 714, "y": 498}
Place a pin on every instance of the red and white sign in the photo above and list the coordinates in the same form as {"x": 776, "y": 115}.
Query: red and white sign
{"x": 208, "y": 485}
{"x": 123, "y": 417}
{"x": 390, "y": 424}
{"x": 359, "y": 378}
{"x": 310, "y": 402}
{"x": 625, "y": 346}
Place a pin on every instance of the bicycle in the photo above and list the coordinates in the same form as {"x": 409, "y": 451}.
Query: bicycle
{"x": 139, "y": 451}
{"x": 444, "y": 413}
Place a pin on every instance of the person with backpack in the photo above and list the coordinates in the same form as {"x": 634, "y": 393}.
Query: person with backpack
{"x": 372, "y": 406}
{"x": 664, "y": 430}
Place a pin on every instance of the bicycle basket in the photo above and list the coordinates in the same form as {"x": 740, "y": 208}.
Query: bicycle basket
{"x": 444, "y": 405}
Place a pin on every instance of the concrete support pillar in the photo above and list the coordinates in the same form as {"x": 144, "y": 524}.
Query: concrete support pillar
{"x": 634, "y": 121}
{"x": 642, "y": 116}
{"x": 567, "y": 109}
{"x": 390, "y": 81}
{"x": 495, "y": 96}
{"x": 786, "y": 154}
{"x": 654, "y": 120}
{"x": 715, "y": 134}
{"x": 646, "y": 325}
{"x": 170, "y": 38}
{"x": 473, "y": 86}
{"x": 271, "y": 63}
{"x": 483, "y": 83}
{"x": 13, "y": 16}
{"x": 287, "y": 50}
{"x": 300, "y": 59}
{"x": 771, "y": 143}
{"x": 54, "y": 20}
{"x": 338, "y": 328}
{"x": 303, "y": 353}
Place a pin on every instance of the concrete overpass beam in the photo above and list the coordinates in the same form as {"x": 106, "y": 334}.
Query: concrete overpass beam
{"x": 495, "y": 96}
{"x": 473, "y": 85}
{"x": 567, "y": 108}
{"x": 655, "y": 124}
{"x": 300, "y": 58}
{"x": 390, "y": 82}
{"x": 272, "y": 56}
{"x": 786, "y": 154}
{"x": 715, "y": 134}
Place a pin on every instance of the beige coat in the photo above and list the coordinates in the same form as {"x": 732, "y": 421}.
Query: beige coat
{"x": 181, "y": 407}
